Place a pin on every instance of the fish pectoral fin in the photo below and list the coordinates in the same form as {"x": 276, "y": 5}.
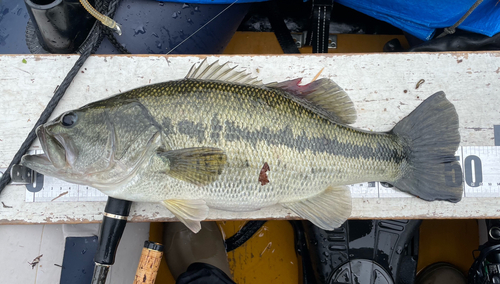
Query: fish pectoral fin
{"x": 189, "y": 212}
{"x": 199, "y": 166}
{"x": 322, "y": 96}
{"x": 327, "y": 210}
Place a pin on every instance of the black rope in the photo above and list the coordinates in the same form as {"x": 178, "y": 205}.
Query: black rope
{"x": 5, "y": 179}
{"x": 94, "y": 40}
{"x": 111, "y": 37}
{"x": 452, "y": 29}
{"x": 109, "y": 32}
{"x": 243, "y": 235}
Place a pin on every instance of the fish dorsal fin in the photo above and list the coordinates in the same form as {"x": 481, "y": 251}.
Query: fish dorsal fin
{"x": 322, "y": 96}
{"x": 221, "y": 72}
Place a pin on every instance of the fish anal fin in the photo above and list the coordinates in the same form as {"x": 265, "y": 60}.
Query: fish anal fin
{"x": 322, "y": 96}
{"x": 199, "y": 165}
{"x": 327, "y": 210}
{"x": 189, "y": 212}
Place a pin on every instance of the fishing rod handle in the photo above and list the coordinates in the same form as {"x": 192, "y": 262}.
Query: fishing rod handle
{"x": 149, "y": 263}
{"x": 112, "y": 227}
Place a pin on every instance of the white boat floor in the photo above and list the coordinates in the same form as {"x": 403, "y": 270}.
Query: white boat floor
{"x": 20, "y": 245}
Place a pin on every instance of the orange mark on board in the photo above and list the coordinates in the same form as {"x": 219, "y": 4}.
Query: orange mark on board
{"x": 263, "y": 174}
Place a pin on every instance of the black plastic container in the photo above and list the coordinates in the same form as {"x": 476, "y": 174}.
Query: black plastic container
{"x": 60, "y": 25}
{"x": 365, "y": 251}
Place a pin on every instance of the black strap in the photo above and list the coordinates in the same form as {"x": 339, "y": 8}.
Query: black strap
{"x": 280, "y": 29}
{"x": 308, "y": 275}
{"x": 320, "y": 25}
{"x": 243, "y": 235}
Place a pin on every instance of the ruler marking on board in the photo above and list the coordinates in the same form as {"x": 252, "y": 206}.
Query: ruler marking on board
{"x": 461, "y": 163}
{"x": 480, "y": 169}
{"x": 496, "y": 134}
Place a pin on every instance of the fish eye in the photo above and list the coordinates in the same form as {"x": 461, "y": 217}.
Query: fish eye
{"x": 69, "y": 119}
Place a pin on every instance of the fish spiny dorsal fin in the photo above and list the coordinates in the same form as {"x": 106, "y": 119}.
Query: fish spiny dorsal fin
{"x": 221, "y": 72}
{"x": 322, "y": 96}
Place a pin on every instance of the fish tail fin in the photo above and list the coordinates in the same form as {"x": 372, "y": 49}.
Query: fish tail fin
{"x": 430, "y": 133}
{"x": 327, "y": 210}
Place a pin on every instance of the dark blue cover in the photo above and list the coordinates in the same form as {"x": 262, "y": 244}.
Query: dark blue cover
{"x": 78, "y": 261}
{"x": 421, "y": 17}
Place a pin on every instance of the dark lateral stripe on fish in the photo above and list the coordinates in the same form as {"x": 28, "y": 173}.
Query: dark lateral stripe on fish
{"x": 191, "y": 129}
{"x": 216, "y": 128}
{"x": 316, "y": 145}
{"x": 283, "y": 137}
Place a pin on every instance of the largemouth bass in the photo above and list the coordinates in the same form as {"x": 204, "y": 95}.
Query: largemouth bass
{"x": 222, "y": 139}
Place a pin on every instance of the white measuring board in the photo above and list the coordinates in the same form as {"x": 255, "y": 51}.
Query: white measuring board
{"x": 51, "y": 189}
{"x": 480, "y": 168}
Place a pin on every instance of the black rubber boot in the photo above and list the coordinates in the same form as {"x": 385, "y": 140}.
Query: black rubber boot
{"x": 441, "y": 273}
{"x": 183, "y": 247}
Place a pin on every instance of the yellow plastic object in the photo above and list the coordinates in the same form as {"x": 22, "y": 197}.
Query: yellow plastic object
{"x": 268, "y": 257}
{"x": 108, "y": 22}
{"x": 266, "y": 43}
{"x": 449, "y": 241}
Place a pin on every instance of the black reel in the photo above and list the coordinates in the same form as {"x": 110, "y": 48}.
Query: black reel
{"x": 486, "y": 267}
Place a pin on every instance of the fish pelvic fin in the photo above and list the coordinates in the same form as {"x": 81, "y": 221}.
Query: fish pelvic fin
{"x": 327, "y": 210}
{"x": 199, "y": 165}
{"x": 430, "y": 135}
{"x": 322, "y": 96}
{"x": 189, "y": 212}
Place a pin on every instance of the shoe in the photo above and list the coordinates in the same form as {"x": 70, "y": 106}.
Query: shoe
{"x": 441, "y": 273}
{"x": 183, "y": 247}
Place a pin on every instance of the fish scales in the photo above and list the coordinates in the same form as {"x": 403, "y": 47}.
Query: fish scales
{"x": 222, "y": 139}
{"x": 257, "y": 125}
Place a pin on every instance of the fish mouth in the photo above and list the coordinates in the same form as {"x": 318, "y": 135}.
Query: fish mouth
{"x": 56, "y": 154}
{"x": 54, "y": 150}
{"x": 41, "y": 164}
{"x": 69, "y": 150}
{"x": 55, "y": 159}
{"x": 36, "y": 161}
